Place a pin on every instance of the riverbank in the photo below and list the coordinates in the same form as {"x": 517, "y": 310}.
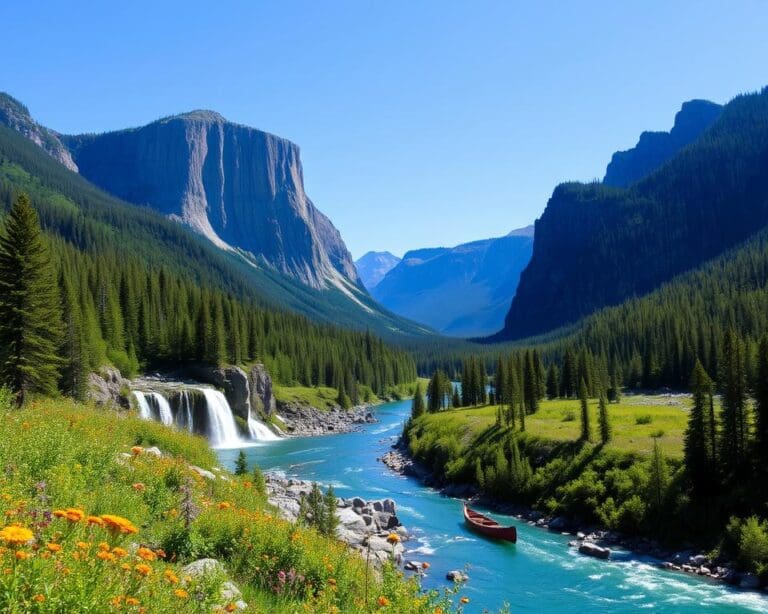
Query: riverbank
{"x": 590, "y": 540}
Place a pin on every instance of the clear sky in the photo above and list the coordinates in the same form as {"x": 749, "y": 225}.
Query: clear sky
{"x": 420, "y": 123}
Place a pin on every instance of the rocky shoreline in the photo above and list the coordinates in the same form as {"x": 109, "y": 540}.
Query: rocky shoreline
{"x": 591, "y": 541}
{"x": 304, "y": 421}
{"x": 365, "y": 526}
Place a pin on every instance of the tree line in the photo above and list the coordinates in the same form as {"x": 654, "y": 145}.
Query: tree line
{"x": 65, "y": 313}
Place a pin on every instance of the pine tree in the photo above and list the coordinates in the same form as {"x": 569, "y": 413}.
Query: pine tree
{"x": 241, "y": 464}
{"x": 761, "y": 404}
{"x": 697, "y": 445}
{"x": 456, "y": 399}
{"x": 30, "y": 307}
{"x": 530, "y": 384}
{"x": 604, "y": 421}
{"x": 417, "y": 406}
{"x": 734, "y": 391}
{"x": 330, "y": 519}
{"x": 74, "y": 371}
{"x": 553, "y": 381}
{"x": 658, "y": 480}
{"x": 583, "y": 400}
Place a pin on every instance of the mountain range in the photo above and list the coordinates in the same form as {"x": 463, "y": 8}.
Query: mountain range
{"x": 598, "y": 245}
{"x": 373, "y": 266}
{"x": 195, "y": 183}
{"x": 461, "y": 291}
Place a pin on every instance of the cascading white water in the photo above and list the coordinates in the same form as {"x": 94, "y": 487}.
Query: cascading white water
{"x": 163, "y": 408}
{"x": 144, "y": 412}
{"x": 222, "y": 430}
{"x": 185, "y": 420}
{"x": 260, "y": 431}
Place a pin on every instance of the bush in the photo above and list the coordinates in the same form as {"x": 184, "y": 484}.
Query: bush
{"x": 643, "y": 419}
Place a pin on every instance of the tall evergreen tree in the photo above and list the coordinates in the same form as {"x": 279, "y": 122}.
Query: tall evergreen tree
{"x": 74, "y": 370}
{"x": 733, "y": 384}
{"x": 553, "y": 381}
{"x": 698, "y": 449}
{"x": 761, "y": 404}
{"x": 583, "y": 400}
{"x": 604, "y": 421}
{"x": 417, "y": 406}
{"x": 30, "y": 307}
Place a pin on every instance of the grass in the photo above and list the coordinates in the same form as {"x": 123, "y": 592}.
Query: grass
{"x": 635, "y": 420}
{"x": 324, "y": 398}
{"x": 68, "y": 469}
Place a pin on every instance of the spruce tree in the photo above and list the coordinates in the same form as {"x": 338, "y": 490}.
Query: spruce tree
{"x": 697, "y": 448}
{"x": 30, "y": 307}
{"x": 330, "y": 519}
{"x": 74, "y": 370}
{"x": 553, "y": 381}
{"x": 658, "y": 481}
{"x": 583, "y": 400}
{"x": 734, "y": 392}
{"x": 761, "y": 404}
{"x": 604, "y": 421}
{"x": 241, "y": 464}
{"x": 417, "y": 406}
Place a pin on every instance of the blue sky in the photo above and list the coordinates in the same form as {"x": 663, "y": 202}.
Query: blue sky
{"x": 420, "y": 123}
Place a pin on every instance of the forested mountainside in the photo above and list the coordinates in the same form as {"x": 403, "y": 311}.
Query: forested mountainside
{"x": 597, "y": 245}
{"x": 139, "y": 290}
{"x": 462, "y": 291}
{"x": 655, "y": 148}
{"x": 94, "y": 221}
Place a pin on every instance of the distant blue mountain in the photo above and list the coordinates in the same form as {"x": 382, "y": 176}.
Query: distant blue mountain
{"x": 464, "y": 291}
{"x": 373, "y": 266}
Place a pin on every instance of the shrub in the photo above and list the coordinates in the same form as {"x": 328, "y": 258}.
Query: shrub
{"x": 643, "y": 419}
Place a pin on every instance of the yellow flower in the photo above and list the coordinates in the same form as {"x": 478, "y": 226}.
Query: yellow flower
{"x": 383, "y": 601}
{"x": 104, "y": 547}
{"x": 73, "y": 514}
{"x": 393, "y": 538}
{"x": 39, "y": 598}
{"x": 146, "y": 554}
{"x": 143, "y": 569}
{"x": 105, "y": 556}
{"x": 53, "y": 547}
{"x": 225, "y": 505}
{"x": 118, "y": 524}
{"x": 16, "y": 535}
{"x": 181, "y": 593}
{"x": 170, "y": 577}
{"x": 83, "y": 545}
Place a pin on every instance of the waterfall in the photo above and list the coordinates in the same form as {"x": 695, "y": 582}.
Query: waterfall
{"x": 260, "y": 431}
{"x": 163, "y": 408}
{"x": 222, "y": 430}
{"x": 198, "y": 409}
{"x": 144, "y": 412}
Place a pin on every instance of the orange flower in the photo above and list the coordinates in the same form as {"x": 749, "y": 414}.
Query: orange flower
{"x": 332, "y": 581}
{"x": 95, "y": 520}
{"x": 224, "y": 505}
{"x": 146, "y": 554}
{"x": 138, "y": 487}
{"x": 120, "y": 552}
{"x": 181, "y": 593}
{"x": 383, "y": 601}
{"x": 393, "y": 538}
{"x": 230, "y": 607}
{"x": 438, "y": 610}
{"x": 464, "y": 600}
{"x": 125, "y": 567}
{"x": 116, "y": 601}
{"x": 39, "y": 598}
{"x": 136, "y": 450}
{"x": 118, "y": 524}
{"x": 73, "y": 514}
{"x": 83, "y": 545}
{"x": 54, "y": 547}
{"x": 132, "y": 601}
{"x": 104, "y": 547}
{"x": 143, "y": 569}
{"x": 16, "y": 535}
{"x": 22, "y": 556}
{"x": 105, "y": 556}
{"x": 170, "y": 577}
{"x": 247, "y": 484}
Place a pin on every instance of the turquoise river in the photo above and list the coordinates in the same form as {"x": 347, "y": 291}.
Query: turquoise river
{"x": 538, "y": 574}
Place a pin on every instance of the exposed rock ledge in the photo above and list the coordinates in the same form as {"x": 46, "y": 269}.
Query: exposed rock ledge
{"x": 302, "y": 421}
{"x": 363, "y": 525}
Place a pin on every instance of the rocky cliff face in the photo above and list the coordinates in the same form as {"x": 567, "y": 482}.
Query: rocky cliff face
{"x": 240, "y": 187}
{"x": 16, "y": 116}
{"x": 655, "y": 148}
{"x": 463, "y": 291}
{"x": 373, "y": 266}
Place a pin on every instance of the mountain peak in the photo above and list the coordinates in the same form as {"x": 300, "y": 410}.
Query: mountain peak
{"x": 373, "y": 266}
{"x": 16, "y": 116}
{"x": 205, "y": 115}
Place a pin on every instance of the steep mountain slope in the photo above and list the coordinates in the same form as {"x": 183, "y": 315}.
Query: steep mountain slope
{"x": 98, "y": 223}
{"x": 597, "y": 245}
{"x": 655, "y": 148}
{"x": 239, "y": 187}
{"x": 461, "y": 291}
{"x": 373, "y": 266}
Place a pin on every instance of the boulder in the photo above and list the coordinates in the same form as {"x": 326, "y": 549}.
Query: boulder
{"x": 591, "y": 549}
{"x": 456, "y": 575}
{"x": 232, "y": 381}
{"x": 262, "y": 398}
{"x": 109, "y": 387}
{"x": 698, "y": 560}
{"x": 202, "y": 472}
{"x": 229, "y": 592}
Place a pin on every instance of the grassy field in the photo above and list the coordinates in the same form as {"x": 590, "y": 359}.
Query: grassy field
{"x": 636, "y": 420}
{"x": 94, "y": 522}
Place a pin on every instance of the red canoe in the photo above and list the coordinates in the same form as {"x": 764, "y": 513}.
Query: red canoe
{"x": 488, "y": 526}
